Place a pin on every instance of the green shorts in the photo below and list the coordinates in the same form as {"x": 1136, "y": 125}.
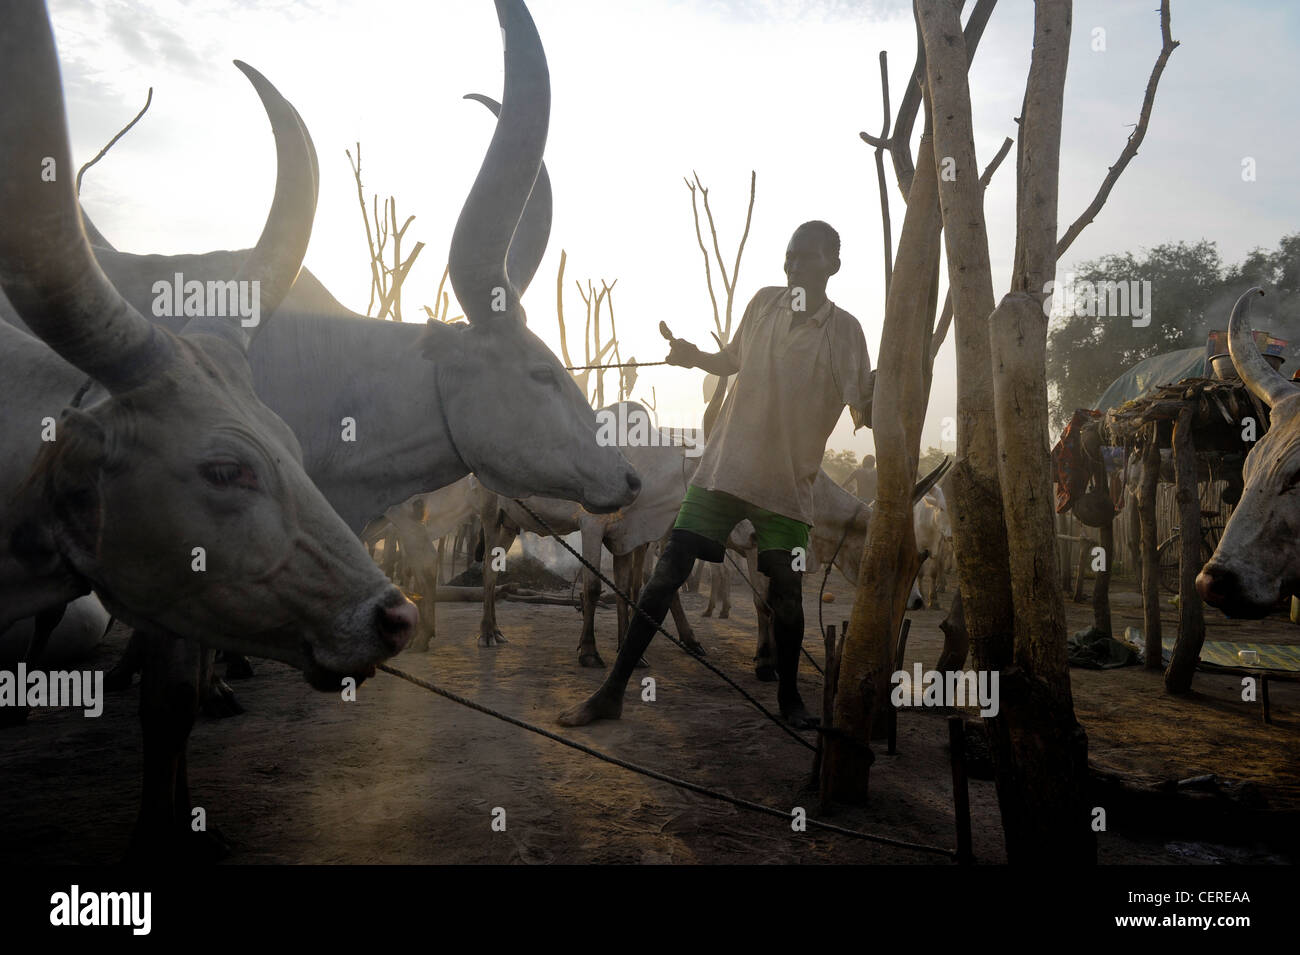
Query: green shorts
{"x": 713, "y": 514}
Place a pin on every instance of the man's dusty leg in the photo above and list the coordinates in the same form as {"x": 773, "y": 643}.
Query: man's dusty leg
{"x": 785, "y": 597}
{"x": 671, "y": 570}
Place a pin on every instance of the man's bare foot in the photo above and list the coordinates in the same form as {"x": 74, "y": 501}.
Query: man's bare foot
{"x": 599, "y": 706}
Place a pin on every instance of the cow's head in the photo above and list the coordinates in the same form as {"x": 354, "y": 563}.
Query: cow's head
{"x": 1257, "y": 561}
{"x": 176, "y": 493}
{"x": 501, "y": 379}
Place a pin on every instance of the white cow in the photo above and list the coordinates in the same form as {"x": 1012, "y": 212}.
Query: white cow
{"x": 665, "y": 472}
{"x": 172, "y": 491}
{"x": 933, "y": 528}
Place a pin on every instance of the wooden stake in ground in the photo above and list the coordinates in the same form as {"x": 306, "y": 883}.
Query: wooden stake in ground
{"x": 1191, "y": 620}
{"x": 1150, "y": 562}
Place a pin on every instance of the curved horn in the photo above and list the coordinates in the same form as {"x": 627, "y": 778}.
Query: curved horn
{"x": 1265, "y": 383}
{"x": 477, "y": 261}
{"x": 534, "y": 230}
{"x": 46, "y": 267}
{"x": 277, "y": 258}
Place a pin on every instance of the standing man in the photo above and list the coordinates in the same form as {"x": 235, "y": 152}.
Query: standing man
{"x": 798, "y": 360}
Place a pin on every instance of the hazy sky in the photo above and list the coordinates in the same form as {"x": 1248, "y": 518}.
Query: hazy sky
{"x": 644, "y": 92}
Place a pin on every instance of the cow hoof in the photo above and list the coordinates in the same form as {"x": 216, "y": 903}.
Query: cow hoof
{"x": 238, "y": 668}
{"x": 641, "y": 664}
{"x": 11, "y": 716}
{"x": 708, "y": 612}
{"x": 493, "y": 639}
{"x": 420, "y": 645}
{"x": 724, "y": 613}
{"x": 118, "y": 679}
{"x": 694, "y": 647}
{"x": 766, "y": 672}
{"x": 590, "y": 659}
{"x": 220, "y": 703}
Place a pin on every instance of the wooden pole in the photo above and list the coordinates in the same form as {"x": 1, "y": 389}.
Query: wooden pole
{"x": 1081, "y": 567}
{"x": 1191, "y": 621}
{"x": 1150, "y": 569}
{"x": 1101, "y": 588}
{"x": 960, "y": 790}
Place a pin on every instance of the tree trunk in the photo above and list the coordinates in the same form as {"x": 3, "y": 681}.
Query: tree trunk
{"x": 1191, "y": 621}
{"x": 1150, "y": 565}
{"x": 979, "y": 535}
{"x": 890, "y": 561}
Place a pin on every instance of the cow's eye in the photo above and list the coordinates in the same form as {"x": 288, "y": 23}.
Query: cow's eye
{"x": 543, "y": 376}
{"x": 228, "y": 474}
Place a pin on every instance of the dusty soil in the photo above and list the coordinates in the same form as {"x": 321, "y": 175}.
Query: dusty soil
{"x": 401, "y": 775}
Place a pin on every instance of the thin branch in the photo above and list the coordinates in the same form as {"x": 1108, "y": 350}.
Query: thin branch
{"x": 122, "y": 132}
{"x": 1168, "y": 45}
{"x": 735, "y": 272}
{"x": 899, "y": 143}
{"x": 370, "y": 242}
{"x": 699, "y": 237}
{"x": 559, "y": 306}
{"x": 880, "y": 173}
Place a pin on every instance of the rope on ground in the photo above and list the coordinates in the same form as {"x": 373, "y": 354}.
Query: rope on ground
{"x": 659, "y": 628}
{"x": 654, "y": 774}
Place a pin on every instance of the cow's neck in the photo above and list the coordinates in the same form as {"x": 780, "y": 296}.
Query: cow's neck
{"x": 316, "y": 371}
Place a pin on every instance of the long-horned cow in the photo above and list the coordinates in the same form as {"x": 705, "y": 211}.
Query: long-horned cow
{"x": 1257, "y": 562}
{"x": 429, "y": 404}
{"x": 172, "y": 491}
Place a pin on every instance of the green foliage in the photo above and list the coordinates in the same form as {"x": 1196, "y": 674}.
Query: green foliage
{"x": 1192, "y": 292}
{"x": 930, "y": 459}
{"x": 839, "y": 464}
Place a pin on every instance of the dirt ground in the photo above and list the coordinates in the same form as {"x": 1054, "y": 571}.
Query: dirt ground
{"x": 403, "y": 776}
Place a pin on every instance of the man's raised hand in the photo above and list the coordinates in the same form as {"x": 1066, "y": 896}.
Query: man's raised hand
{"x": 683, "y": 353}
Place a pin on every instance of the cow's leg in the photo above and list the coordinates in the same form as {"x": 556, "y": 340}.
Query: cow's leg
{"x": 128, "y": 664}
{"x": 237, "y": 666}
{"x": 626, "y": 569}
{"x": 684, "y": 630}
{"x": 722, "y": 581}
{"x": 588, "y": 655}
{"x": 42, "y": 626}
{"x": 714, "y": 576}
{"x": 502, "y": 535}
{"x": 765, "y": 653}
{"x": 172, "y": 675}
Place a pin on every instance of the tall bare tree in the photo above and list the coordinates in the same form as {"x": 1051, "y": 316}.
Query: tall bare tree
{"x": 385, "y": 280}
{"x": 1003, "y": 521}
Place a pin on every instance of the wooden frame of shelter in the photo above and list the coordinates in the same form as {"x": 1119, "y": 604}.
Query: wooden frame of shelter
{"x": 1199, "y": 419}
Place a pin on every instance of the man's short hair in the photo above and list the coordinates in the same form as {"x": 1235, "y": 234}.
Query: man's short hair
{"x": 829, "y": 235}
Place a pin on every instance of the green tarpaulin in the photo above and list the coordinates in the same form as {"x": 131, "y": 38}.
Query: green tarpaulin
{"x": 1151, "y": 373}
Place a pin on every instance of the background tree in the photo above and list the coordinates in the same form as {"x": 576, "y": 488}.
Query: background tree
{"x": 839, "y": 464}
{"x": 1192, "y": 292}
